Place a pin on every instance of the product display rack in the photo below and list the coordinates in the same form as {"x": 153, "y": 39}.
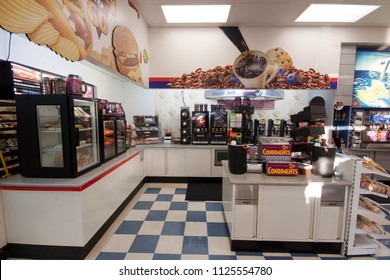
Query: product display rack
{"x": 358, "y": 241}
{"x": 8, "y": 137}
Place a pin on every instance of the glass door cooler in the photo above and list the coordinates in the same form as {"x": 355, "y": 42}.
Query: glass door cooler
{"x": 113, "y": 136}
{"x": 112, "y": 122}
{"x": 58, "y": 135}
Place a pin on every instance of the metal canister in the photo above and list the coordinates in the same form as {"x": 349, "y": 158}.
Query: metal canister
{"x": 73, "y": 84}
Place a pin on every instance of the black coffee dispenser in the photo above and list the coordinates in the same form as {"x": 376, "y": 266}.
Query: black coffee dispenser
{"x": 237, "y": 159}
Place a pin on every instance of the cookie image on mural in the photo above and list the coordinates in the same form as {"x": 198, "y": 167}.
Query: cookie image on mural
{"x": 98, "y": 12}
{"x": 126, "y": 53}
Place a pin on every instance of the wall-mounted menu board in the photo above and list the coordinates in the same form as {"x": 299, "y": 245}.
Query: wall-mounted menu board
{"x": 372, "y": 78}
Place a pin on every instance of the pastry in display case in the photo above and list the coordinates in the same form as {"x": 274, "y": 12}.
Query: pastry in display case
{"x": 58, "y": 135}
{"x": 112, "y": 124}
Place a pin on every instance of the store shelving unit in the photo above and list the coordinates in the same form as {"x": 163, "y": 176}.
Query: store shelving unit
{"x": 8, "y": 137}
{"x": 358, "y": 241}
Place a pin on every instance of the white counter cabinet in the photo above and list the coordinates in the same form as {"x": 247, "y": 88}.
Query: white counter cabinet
{"x": 287, "y": 213}
{"x": 63, "y": 218}
{"x": 179, "y": 162}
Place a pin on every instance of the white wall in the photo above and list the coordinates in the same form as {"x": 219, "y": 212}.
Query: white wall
{"x": 109, "y": 85}
{"x": 174, "y": 51}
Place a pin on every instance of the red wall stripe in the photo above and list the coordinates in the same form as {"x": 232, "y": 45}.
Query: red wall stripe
{"x": 69, "y": 189}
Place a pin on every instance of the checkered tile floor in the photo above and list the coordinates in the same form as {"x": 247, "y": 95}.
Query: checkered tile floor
{"x": 159, "y": 224}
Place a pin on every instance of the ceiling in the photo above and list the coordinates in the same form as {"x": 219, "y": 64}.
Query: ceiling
{"x": 264, "y": 13}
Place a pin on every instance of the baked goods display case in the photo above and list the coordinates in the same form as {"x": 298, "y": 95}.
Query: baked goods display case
{"x": 112, "y": 129}
{"x": 58, "y": 135}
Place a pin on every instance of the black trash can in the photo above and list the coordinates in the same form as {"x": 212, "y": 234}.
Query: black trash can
{"x": 322, "y": 159}
{"x": 237, "y": 159}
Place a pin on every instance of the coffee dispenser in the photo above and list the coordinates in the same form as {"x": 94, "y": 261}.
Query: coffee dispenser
{"x": 218, "y": 125}
{"x": 185, "y": 125}
{"x": 200, "y": 125}
{"x": 246, "y": 123}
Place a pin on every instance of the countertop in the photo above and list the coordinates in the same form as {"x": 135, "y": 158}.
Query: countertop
{"x": 261, "y": 178}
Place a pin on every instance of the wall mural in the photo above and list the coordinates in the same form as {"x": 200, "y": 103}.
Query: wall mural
{"x": 273, "y": 69}
{"x": 102, "y": 32}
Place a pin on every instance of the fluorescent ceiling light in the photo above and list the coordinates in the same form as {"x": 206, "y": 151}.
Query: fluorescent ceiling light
{"x": 195, "y": 13}
{"x": 335, "y": 13}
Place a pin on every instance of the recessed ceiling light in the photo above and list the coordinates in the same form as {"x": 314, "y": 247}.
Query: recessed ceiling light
{"x": 335, "y": 13}
{"x": 195, "y": 13}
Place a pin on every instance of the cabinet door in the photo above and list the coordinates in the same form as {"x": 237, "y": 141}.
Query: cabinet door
{"x": 155, "y": 162}
{"x": 198, "y": 162}
{"x": 287, "y": 213}
{"x": 330, "y": 223}
{"x": 176, "y": 162}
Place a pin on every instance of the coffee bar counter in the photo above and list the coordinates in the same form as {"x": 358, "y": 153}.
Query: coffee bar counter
{"x": 302, "y": 213}
{"x": 63, "y": 218}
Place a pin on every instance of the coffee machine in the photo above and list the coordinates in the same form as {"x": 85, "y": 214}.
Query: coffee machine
{"x": 218, "y": 125}
{"x": 242, "y": 124}
{"x": 200, "y": 125}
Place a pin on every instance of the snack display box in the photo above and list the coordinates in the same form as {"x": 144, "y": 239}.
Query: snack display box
{"x": 274, "y": 148}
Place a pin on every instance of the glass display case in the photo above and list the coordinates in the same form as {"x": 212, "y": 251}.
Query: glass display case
{"x": 57, "y": 135}
{"x": 113, "y": 136}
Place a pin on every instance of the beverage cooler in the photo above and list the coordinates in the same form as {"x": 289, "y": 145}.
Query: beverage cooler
{"x": 112, "y": 136}
{"x": 58, "y": 135}
{"x": 370, "y": 128}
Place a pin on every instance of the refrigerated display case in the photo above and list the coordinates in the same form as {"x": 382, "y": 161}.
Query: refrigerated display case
{"x": 58, "y": 135}
{"x": 113, "y": 136}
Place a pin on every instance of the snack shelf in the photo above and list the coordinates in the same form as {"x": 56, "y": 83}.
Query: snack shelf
{"x": 359, "y": 238}
{"x": 8, "y": 134}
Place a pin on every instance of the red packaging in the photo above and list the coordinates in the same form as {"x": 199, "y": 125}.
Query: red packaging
{"x": 275, "y": 151}
{"x": 282, "y": 168}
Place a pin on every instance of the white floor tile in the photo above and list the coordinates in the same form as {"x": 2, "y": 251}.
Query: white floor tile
{"x": 214, "y": 216}
{"x": 219, "y": 246}
{"x": 196, "y": 206}
{"x": 194, "y": 257}
{"x": 169, "y": 245}
{"x": 176, "y": 216}
{"x": 137, "y": 215}
{"x": 195, "y": 229}
{"x": 139, "y": 256}
{"x": 151, "y": 228}
{"x": 119, "y": 243}
{"x": 161, "y": 205}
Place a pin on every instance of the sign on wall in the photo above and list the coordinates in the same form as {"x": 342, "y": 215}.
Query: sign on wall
{"x": 108, "y": 33}
{"x": 371, "y": 87}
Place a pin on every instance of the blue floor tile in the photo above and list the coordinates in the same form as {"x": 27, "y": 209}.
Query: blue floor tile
{"x": 143, "y": 205}
{"x": 248, "y": 253}
{"x": 220, "y": 257}
{"x": 385, "y": 242}
{"x": 178, "y": 205}
{"x": 386, "y": 228}
{"x": 129, "y": 227}
{"x": 278, "y": 258}
{"x": 196, "y": 216}
{"x": 156, "y": 215}
{"x": 214, "y": 206}
{"x": 152, "y": 190}
{"x": 173, "y": 228}
{"x": 181, "y": 191}
{"x": 383, "y": 258}
{"x": 334, "y": 258}
{"x": 195, "y": 245}
{"x": 386, "y": 206}
{"x": 166, "y": 257}
{"x": 111, "y": 256}
{"x": 144, "y": 244}
{"x": 303, "y": 255}
{"x": 164, "y": 197}
{"x": 217, "y": 229}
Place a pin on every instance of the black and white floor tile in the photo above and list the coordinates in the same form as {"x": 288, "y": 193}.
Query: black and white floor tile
{"x": 159, "y": 224}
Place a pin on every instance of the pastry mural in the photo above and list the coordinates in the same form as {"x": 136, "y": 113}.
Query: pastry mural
{"x": 82, "y": 30}
{"x": 277, "y": 71}
{"x": 272, "y": 69}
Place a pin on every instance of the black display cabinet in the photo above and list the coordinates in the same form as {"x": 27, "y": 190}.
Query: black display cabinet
{"x": 58, "y": 135}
